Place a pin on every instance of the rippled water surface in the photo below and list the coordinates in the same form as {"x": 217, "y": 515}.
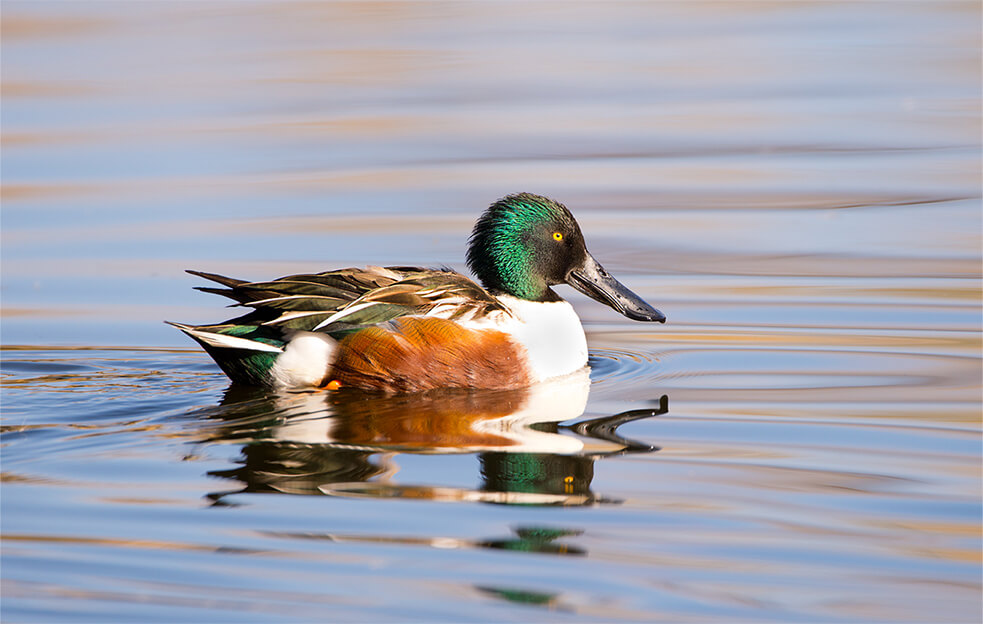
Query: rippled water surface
{"x": 796, "y": 184}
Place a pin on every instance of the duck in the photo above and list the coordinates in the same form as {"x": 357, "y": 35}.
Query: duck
{"x": 401, "y": 329}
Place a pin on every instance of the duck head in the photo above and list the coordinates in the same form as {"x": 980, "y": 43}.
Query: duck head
{"x": 525, "y": 243}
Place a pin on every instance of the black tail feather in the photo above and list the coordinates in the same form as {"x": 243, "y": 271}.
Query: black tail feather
{"x": 221, "y": 279}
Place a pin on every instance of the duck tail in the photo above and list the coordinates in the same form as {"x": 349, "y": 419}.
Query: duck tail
{"x": 242, "y": 357}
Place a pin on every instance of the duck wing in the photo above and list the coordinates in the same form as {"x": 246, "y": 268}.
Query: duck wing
{"x": 345, "y": 300}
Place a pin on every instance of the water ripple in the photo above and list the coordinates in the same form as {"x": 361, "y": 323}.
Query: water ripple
{"x": 614, "y": 365}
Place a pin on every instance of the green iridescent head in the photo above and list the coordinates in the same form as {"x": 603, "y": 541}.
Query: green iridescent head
{"x": 521, "y": 244}
{"x": 525, "y": 243}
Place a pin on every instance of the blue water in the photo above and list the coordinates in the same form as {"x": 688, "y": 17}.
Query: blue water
{"x": 796, "y": 185}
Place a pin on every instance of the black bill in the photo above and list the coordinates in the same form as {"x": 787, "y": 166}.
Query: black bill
{"x": 592, "y": 280}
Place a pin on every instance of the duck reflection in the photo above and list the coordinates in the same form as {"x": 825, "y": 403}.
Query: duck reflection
{"x": 532, "y": 539}
{"x": 345, "y": 443}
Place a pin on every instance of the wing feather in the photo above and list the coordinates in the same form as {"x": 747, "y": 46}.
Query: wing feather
{"x": 344, "y": 300}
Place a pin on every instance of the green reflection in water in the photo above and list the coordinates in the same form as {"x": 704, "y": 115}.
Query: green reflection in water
{"x": 347, "y": 443}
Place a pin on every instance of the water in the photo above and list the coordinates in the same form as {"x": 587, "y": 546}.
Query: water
{"x": 797, "y": 185}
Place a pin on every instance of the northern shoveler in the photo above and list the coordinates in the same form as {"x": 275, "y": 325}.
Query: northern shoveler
{"x": 408, "y": 329}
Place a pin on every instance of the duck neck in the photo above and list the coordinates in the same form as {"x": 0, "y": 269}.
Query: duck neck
{"x": 515, "y": 279}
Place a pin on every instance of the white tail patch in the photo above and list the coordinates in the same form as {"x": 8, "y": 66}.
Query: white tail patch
{"x": 223, "y": 341}
{"x": 305, "y": 361}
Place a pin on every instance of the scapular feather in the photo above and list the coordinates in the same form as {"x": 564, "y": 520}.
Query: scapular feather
{"x": 296, "y": 287}
{"x": 300, "y": 303}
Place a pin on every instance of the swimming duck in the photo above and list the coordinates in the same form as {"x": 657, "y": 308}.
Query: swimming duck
{"x": 409, "y": 329}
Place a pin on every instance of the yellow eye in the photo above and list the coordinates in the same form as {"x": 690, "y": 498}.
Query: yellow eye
{"x": 558, "y": 236}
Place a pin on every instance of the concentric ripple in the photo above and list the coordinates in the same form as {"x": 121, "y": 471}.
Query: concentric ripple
{"x": 609, "y": 366}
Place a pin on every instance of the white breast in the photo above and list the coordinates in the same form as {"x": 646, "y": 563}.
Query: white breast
{"x": 551, "y": 334}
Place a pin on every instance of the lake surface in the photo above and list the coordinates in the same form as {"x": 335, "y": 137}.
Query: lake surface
{"x": 796, "y": 185}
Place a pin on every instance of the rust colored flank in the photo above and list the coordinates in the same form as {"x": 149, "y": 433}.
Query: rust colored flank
{"x": 417, "y": 354}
